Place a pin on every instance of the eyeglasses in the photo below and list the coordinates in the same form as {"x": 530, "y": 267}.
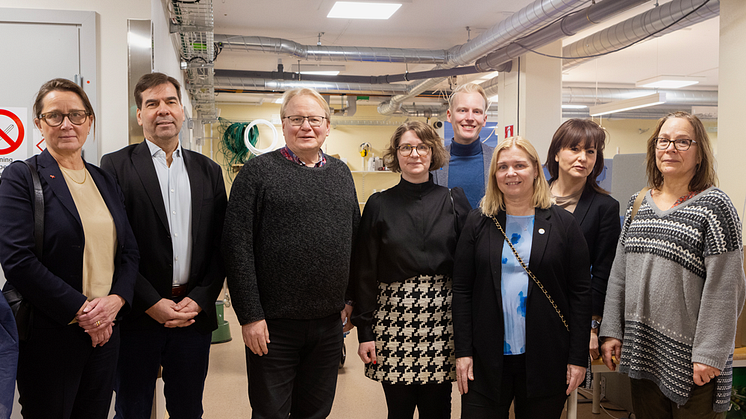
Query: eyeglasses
{"x": 297, "y": 120}
{"x": 406, "y": 149}
{"x": 682, "y": 144}
{"x": 55, "y": 119}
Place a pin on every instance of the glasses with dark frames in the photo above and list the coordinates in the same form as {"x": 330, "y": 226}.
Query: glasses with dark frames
{"x": 55, "y": 119}
{"x": 681, "y": 144}
{"x": 406, "y": 149}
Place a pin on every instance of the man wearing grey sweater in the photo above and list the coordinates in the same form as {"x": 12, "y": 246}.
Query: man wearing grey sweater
{"x": 288, "y": 235}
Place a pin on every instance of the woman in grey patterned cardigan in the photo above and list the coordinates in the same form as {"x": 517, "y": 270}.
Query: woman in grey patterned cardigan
{"x": 677, "y": 284}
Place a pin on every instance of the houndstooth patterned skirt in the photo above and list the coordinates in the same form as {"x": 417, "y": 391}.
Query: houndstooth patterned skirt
{"x": 414, "y": 332}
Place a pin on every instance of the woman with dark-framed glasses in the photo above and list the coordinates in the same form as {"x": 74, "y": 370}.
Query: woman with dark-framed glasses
{"x": 402, "y": 269}
{"x": 677, "y": 284}
{"x": 83, "y": 275}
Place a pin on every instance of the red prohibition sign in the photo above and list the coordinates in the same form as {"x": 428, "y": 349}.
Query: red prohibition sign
{"x": 12, "y": 144}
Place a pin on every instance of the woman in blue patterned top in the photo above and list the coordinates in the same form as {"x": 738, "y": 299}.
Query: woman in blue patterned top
{"x": 677, "y": 283}
{"x": 541, "y": 322}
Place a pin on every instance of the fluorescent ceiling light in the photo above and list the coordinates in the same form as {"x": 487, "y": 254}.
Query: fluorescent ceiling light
{"x": 574, "y": 106}
{"x": 351, "y": 10}
{"x": 487, "y": 76}
{"x": 320, "y": 72}
{"x": 493, "y": 99}
{"x": 628, "y": 104}
{"x": 668, "y": 82}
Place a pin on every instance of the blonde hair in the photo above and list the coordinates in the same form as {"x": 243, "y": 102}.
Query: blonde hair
{"x": 494, "y": 199}
{"x": 304, "y": 91}
{"x": 469, "y": 88}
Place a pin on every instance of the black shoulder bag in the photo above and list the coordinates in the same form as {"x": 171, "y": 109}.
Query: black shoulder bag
{"x": 22, "y": 309}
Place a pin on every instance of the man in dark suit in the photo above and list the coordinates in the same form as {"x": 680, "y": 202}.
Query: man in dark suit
{"x": 176, "y": 202}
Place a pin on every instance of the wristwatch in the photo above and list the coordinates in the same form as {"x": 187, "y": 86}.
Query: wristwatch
{"x": 595, "y": 324}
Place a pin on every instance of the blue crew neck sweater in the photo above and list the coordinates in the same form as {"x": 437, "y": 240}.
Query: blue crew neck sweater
{"x": 466, "y": 170}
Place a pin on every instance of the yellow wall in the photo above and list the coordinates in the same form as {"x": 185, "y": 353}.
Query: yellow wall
{"x": 631, "y": 135}
{"x": 343, "y": 140}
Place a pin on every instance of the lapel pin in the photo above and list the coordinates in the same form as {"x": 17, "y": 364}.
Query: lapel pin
{"x": 52, "y": 176}
{"x": 541, "y": 231}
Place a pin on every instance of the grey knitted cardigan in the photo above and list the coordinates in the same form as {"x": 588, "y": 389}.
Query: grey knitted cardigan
{"x": 288, "y": 237}
{"x": 675, "y": 292}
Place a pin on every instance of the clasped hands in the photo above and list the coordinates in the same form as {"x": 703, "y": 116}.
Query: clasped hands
{"x": 97, "y": 316}
{"x": 170, "y": 314}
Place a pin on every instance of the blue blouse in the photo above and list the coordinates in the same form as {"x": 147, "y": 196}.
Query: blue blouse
{"x": 514, "y": 282}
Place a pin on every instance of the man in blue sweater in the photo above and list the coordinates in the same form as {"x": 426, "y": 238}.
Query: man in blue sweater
{"x": 469, "y": 162}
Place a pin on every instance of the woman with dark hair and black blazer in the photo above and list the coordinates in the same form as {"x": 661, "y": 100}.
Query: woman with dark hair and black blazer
{"x": 521, "y": 295}
{"x": 575, "y": 159}
{"x": 86, "y": 272}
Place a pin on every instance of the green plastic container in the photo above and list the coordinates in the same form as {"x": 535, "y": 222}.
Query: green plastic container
{"x": 223, "y": 332}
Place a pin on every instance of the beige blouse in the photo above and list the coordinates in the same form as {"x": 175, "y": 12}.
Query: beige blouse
{"x": 568, "y": 202}
{"x": 99, "y": 232}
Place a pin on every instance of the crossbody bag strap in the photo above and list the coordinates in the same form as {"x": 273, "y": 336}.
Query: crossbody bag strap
{"x": 531, "y": 275}
{"x": 638, "y": 202}
{"x": 38, "y": 211}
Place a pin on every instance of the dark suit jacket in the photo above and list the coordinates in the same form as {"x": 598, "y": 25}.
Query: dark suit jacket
{"x": 559, "y": 260}
{"x": 54, "y": 284}
{"x": 598, "y": 216}
{"x": 133, "y": 168}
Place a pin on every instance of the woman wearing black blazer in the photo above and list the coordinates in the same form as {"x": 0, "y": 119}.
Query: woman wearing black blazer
{"x": 512, "y": 345}
{"x": 575, "y": 159}
{"x": 87, "y": 269}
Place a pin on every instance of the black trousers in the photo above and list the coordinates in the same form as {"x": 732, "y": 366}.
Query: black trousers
{"x": 184, "y": 354}
{"x": 433, "y": 401}
{"x": 512, "y": 390}
{"x": 298, "y": 375}
{"x": 61, "y": 376}
{"x": 649, "y": 402}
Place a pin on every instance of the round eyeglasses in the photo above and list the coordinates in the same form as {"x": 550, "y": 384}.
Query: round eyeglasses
{"x": 54, "y": 119}
{"x": 682, "y": 144}
{"x": 406, "y": 149}
{"x": 297, "y": 120}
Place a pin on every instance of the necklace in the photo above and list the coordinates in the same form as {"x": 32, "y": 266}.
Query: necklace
{"x": 69, "y": 175}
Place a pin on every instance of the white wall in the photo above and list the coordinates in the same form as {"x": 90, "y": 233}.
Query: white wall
{"x": 112, "y": 52}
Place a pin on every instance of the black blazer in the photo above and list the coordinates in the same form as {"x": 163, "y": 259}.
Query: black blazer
{"x": 54, "y": 284}
{"x": 559, "y": 259}
{"x": 133, "y": 168}
{"x": 598, "y": 216}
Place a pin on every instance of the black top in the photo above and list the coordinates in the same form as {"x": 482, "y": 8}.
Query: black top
{"x": 408, "y": 230}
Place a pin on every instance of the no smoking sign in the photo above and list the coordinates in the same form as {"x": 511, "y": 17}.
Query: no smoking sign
{"x": 12, "y": 135}
{"x": 12, "y": 131}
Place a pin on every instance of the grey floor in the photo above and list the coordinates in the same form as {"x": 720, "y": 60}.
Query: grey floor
{"x": 357, "y": 396}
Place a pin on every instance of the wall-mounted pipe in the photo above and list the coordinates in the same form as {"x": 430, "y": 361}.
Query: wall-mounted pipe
{"x": 269, "y": 85}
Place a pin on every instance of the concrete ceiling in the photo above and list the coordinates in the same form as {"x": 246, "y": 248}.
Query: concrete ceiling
{"x": 441, "y": 24}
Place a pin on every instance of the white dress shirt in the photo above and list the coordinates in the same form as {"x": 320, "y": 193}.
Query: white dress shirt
{"x": 177, "y": 198}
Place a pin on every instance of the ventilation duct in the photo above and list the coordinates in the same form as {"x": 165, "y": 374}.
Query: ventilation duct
{"x": 681, "y": 98}
{"x": 522, "y": 23}
{"x": 267, "y": 85}
{"x": 639, "y": 27}
{"x": 567, "y": 26}
{"x": 328, "y": 53}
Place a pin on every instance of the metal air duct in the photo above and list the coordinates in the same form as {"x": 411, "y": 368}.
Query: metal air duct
{"x": 329, "y": 53}
{"x": 567, "y": 26}
{"x": 674, "y": 97}
{"x": 268, "y": 85}
{"x": 639, "y": 27}
{"x": 523, "y": 22}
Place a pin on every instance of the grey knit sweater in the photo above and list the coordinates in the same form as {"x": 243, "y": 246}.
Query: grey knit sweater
{"x": 288, "y": 237}
{"x": 675, "y": 292}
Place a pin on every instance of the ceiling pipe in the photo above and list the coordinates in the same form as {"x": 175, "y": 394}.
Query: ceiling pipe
{"x": 567, "y": 26}
{"x": 521, "y": 23}
{"x": 386, "y": 79}
{"x": 639, "y": 27}
{"x": 593, "y": 96}
{"x": 329, "y": 53}
{"x": 280, "y": 86}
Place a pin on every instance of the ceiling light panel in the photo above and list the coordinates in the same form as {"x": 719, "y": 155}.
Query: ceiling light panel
{"x": 354, "y": 10}
{"x": 668, "y": 82}
{"x": 628, "y": 104}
